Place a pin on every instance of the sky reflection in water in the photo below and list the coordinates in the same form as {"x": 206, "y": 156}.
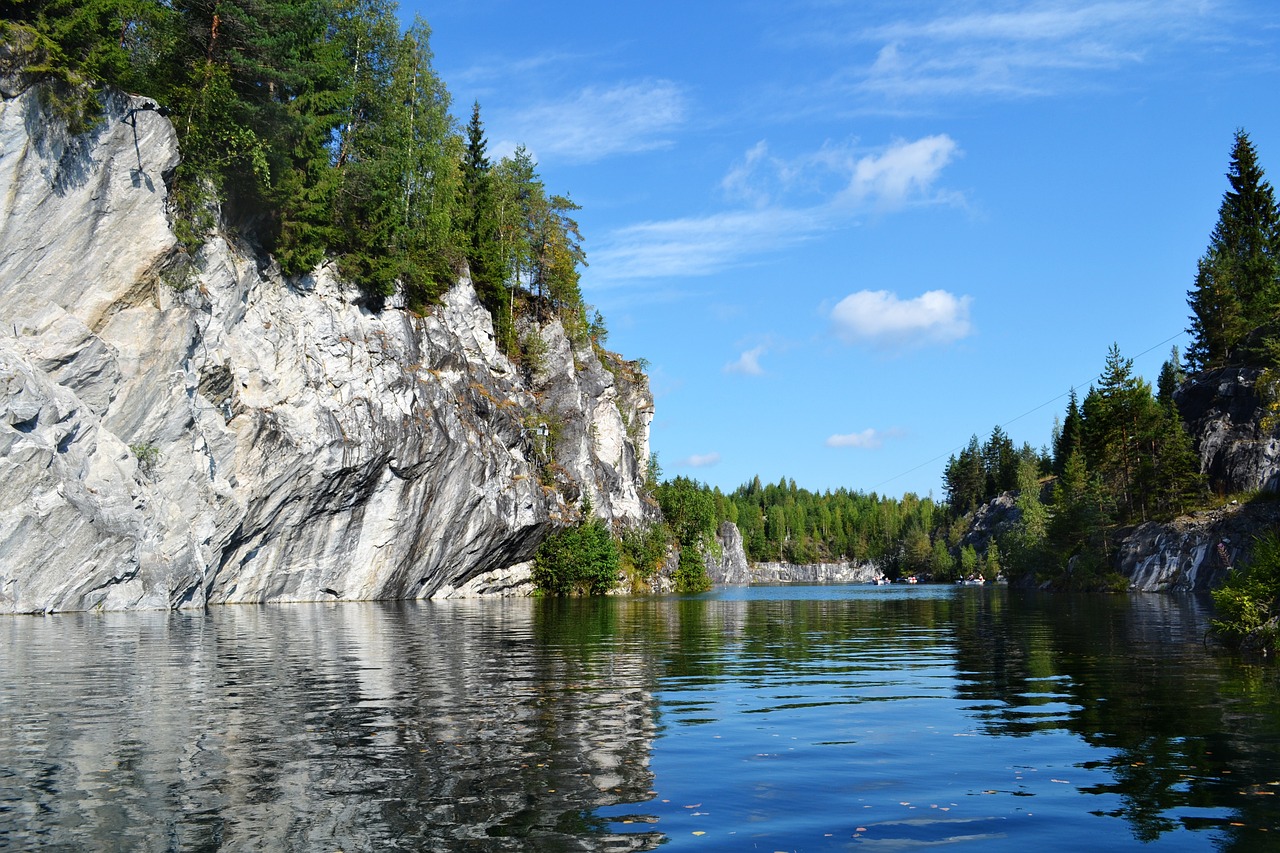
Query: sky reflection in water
{"x": 805, "y": 718}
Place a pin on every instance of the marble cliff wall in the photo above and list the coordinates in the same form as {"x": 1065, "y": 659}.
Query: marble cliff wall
{"x": 180, "y": 430}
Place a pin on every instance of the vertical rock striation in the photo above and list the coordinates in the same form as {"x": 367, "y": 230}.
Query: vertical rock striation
{"x": 179, "y": 430}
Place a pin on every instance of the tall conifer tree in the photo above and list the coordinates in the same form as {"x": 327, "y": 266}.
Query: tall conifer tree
{"x": 1237, "y": 286}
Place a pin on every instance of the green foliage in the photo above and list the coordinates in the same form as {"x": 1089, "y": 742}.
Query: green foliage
{"x": 578, "y": 560}
{"x": 992, "y": 561}
{"x": 784, "y": 522}
{"x": 1247, "y": 602}
{"x": 689, "y": 509}
{"x": 148, "y": 456}
{"x": 320, "y": 130}
{"x": 691, "y": 574}
{"x": 643, "y": 551}
{"x": 1237, "y": 286}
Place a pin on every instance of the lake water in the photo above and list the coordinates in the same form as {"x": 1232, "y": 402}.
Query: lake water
{"x": 774, "y": 718}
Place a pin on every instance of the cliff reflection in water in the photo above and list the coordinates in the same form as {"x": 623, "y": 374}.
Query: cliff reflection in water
{"x": 436, "y": 726}
{"x": 783, "y": 717}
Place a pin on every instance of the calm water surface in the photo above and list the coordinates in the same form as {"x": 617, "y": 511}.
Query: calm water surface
{"x": 775, "y": 718}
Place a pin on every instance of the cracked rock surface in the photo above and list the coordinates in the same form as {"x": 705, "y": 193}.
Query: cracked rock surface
{"x": 183, "y": 430}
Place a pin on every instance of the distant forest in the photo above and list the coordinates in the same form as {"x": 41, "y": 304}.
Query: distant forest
{"x": 319, "y": 130}
{"x": 1119, "y": 456}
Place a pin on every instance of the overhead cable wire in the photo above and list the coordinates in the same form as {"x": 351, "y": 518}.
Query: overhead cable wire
{"x": 1031, "y": 411}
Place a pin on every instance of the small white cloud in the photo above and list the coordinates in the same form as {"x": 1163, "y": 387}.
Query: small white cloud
{"x": 868, "y": 439}
{"x": 742, "y": 182}
{"x": 904, "y": 171}
{"x": 881, "y": 318}
{"x": 704, "y": 460}
{"x": 748, "y": 364}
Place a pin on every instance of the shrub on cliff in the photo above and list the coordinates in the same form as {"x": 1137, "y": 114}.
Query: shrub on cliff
{"x": 578, "y": 560}
{"x": 691, "y": 574}
{"x": 1247, "y": 602}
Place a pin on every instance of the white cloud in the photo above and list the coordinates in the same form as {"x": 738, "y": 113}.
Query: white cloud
{"x": 882, "y": 319}
{"x": 695, "y": 245}
{"x": 597, "y": 123}
{"x": 742, "y": 181}
{"x": 868, "y": 439}
{"x": 748, "y": 364}
{"x": 833, "y": 185}
{"x": 700, "y": 461}
{"x": 903, "y": 171}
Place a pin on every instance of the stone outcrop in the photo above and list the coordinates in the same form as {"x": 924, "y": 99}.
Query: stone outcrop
{"x": 181, "y": 430}
{"x": 815, "y": 573}
{"x": 1194, "y": 553}
{"x": 731, "y": 567}
{"x": 1224, "y": 416}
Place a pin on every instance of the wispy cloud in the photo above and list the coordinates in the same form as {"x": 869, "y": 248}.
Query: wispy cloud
{"x": 696, "y": 245}
{"x": 748, "y": 364}
{"x": 868, "y": 439}
{"x": 705, "y": 460}
{"x": 595, "y": 122}
{"x": 788, "y": 201}
{"x": 1022, "y": 49}
{"x": 882, "y": 319}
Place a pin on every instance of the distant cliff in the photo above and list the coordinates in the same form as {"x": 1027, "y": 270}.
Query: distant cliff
{"x": 179, "y": 430}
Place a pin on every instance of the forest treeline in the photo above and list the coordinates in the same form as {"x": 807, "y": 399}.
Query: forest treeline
{"x": 1118, "y": 456}
{"x": 319, "y": 130}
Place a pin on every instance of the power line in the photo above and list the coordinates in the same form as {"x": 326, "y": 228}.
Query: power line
{"x": 955, "y": 450}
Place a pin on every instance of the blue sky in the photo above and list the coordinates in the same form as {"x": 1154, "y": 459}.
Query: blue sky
{"x": 849, "y": 235}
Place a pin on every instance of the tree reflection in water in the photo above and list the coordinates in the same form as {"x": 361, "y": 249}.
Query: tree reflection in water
{"x": 553, "y": 724}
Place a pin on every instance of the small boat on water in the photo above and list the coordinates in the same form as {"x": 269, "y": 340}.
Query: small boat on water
{"x": 972, "y": 580}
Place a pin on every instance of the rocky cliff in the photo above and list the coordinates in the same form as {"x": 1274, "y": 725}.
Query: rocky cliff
{"x": 1223, "y": 414}
{"x": 180, "y": 430}
{"x": 1193, "y": 553}
{"x": 816, "y": 573}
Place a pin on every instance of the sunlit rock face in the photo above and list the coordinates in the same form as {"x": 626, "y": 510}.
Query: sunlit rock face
{"x": 1224, "y": 416}
{"x": 1195, "y": 552}
{"x": 815, "y": 573}
{"x": 178, "y": 430}
{"x": 731, "y": 567}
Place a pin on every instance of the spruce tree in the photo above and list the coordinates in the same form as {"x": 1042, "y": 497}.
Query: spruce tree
{"x": 1069, "y": 439}
{"x": 1237, "y": 286}
{"x": 483, "y": 249}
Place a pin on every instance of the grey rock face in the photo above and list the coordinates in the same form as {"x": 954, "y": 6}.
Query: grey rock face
{"x": 1223, "y": 413}
{"x": 815, "y": 573}
{"x": 1193, "y": 553}
{"x": 176, "y": 431}
{"x": 732, "y": 568}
